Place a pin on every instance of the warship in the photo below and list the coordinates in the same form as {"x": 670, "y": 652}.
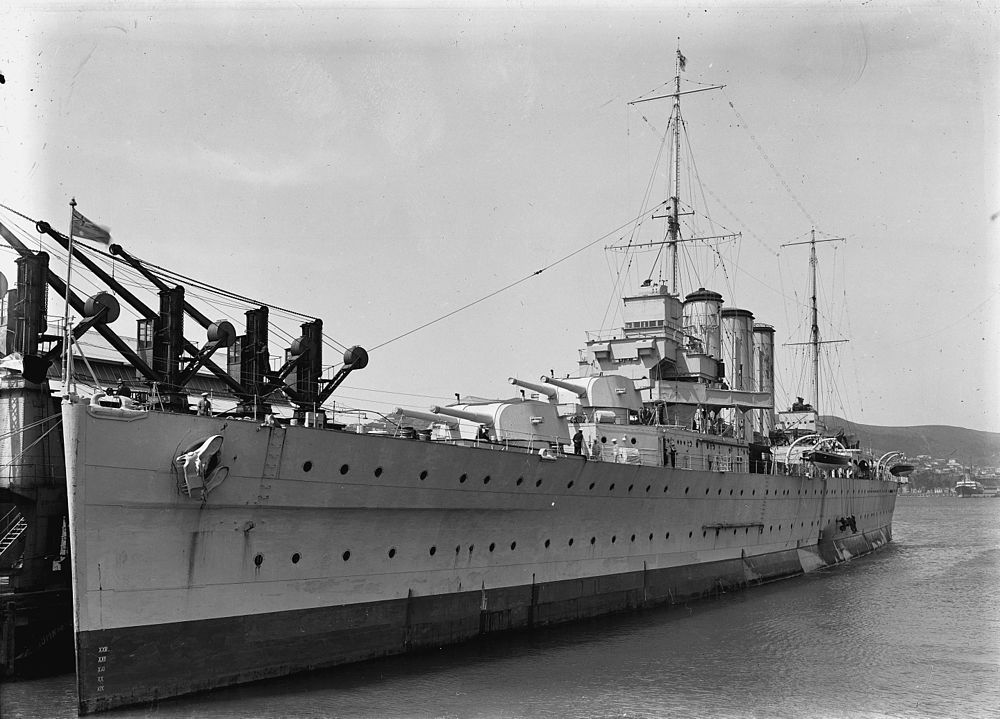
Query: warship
{"x": 207, "y": 547}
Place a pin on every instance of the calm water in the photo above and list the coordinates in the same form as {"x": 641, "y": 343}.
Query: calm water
{"x": 913, "y": 631}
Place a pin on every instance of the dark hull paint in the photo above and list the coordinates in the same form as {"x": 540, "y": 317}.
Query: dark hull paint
{"x": 142, "y": 664}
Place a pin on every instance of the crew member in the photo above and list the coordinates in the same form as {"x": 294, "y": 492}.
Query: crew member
{"x": 204, "y": 406}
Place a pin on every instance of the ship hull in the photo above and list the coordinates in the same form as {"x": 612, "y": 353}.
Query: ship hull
{"x": 387, "y": 545}
{"x": 966, "y": 492}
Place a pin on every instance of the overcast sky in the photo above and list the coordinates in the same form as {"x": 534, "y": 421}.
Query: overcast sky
{"x": 379, "y": 165}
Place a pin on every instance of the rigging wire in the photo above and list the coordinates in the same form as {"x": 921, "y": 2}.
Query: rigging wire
{"x": 516, "y": 282}
{"x": 20, "y": 454}
{"x": 753, "y": 138}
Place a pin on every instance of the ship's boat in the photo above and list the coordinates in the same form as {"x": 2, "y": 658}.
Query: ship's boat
{"x": 216, "y": 547}
{"x": 826, "y": 459}
{"x": 901, "y": 470}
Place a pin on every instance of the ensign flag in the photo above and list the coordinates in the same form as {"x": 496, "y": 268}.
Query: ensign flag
{"x": 87, "y": 230}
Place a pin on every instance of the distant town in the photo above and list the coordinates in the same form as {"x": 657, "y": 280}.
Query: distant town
{"x": 939, "y": 476}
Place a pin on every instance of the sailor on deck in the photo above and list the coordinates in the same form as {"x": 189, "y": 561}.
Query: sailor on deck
{"x": 204, "y": 406}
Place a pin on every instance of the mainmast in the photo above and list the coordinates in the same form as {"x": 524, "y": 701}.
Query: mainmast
{"x": 814, "y": 330}
{"x": 814, "y": 340}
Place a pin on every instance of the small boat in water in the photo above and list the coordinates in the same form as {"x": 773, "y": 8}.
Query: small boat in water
{"x": 968, "y": 487}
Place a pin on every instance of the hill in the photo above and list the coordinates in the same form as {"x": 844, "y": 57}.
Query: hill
{"x": 966, "y": 446}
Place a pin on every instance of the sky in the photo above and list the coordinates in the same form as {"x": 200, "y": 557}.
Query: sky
{"x": 381, "y": 165}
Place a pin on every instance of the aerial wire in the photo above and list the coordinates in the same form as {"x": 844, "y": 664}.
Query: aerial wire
{"x": 496, "y": 292}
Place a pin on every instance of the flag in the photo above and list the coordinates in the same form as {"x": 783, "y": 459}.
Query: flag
{"x": 681, "y": 60}
{"x": 87, "y": 230}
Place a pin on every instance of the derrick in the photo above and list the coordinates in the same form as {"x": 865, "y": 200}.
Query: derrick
{"x": 164, "y": 356}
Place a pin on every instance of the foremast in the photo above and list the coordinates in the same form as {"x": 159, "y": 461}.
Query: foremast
{"x": 673, "y": 202}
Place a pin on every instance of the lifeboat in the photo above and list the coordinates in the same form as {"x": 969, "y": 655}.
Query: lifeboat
{"x": 825, "y": 459}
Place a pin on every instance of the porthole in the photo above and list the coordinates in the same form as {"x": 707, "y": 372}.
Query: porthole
{"x": 547, "y": 543}
{"x": 753, "y": 491}
{"x": 461, "y": 480}
{"x": 633, "y": 440}
{"x": 423, "y": 475}
{"x": 346, "y": 555}
{"x": 378, "y": 471}
{"x": 258, "y": 560}
{"x": 604, "y": 440}
{"x": 306, "y": 466}
{"x": 591, "y": 485}
{"x": 593, "y": 539}
{"x": 471, "y": 547}
{"x": 667, "y": 535}
{"x": 569, "y": 485}
{"x": 296, "y": 557}
{"x": 614, "y": 538}
{"x": 686, "y": 490}
{"x": 690, "y": 534}
{"x": 648, "y": 487}
{"x": 493, "y": 546}
{"x": 720, "y": 490}
{"x": 433, "y": 551}
{"x": 633, "y": 538}
{"x": 538, "y": 483}
{"x": 704, "y": 532}
{"x": 612, "y": 487}
{"x": 458, "y": 548}
{"x": 650, "y": 536}
{"x": 392, "y": 552}
{"x": 571, "y": 541}
{"x": 665, "y": 488}
{"x": 706, "y": 490}
{"x": 741, "y": 492}
{"x": 730, "y": 493}
{"x": 344, "y": 469}
{"x": 486, "y": 479}
{"x": 513, "y": 546}
{"x": 630, "y": 487}
{"x": 520, "y": 481}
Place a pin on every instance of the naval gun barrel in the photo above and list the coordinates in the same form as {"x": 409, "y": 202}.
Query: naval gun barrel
{"x": 549, "y": 392}
{"x": 427, "y": 416}
{"x": 568, "y": 386}
{"x": 479, "y": 417}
